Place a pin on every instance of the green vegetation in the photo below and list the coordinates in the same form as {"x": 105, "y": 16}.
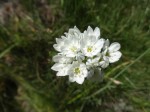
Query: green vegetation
{"x": 27, "y": 34}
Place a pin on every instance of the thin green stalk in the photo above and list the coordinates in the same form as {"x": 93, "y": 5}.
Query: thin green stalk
{"x": 116, "y": 68}
{"x": 3, "y": 53}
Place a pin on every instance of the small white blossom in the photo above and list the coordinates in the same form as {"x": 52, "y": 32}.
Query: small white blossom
{"x": 71, "y": 46}
{"x": 60, "y": 43}
{"x": 111, "y": 52}
{"x": 78, "y": 72}
{"x": 73, "y": 31}
{"x": 91, "y": 45}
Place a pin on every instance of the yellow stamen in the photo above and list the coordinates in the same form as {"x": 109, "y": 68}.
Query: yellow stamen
{"x": 77, "y": 70}
{"x": 89, "y": 49}
{"x": 73, "y": 49}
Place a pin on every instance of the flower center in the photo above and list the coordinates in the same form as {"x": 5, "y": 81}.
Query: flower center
{"x": 77, "y": 70}
{"x": 73, "y": 49}
{"x": 89, "y": 49}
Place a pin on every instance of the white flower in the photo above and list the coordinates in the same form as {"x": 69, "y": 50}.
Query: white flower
{"x": 93, "y": 62}
{"x": 91, "y": 45}
{"x": 62, "y": 69}
{"x": 93, "y": 33}
{"x": 78, "y": 72}
{"x": 73, "y": 31}
{"x": 71, "y": 46}
{"x": 111, "y": 52}
{"x": 60, "y": 43}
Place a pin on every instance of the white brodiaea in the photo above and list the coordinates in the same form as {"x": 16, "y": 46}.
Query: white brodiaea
{"x": 91, "y": 45}
{"x": 78, "y": 72}
{"x": 111, "y": 52}
{"x": 71, "y": 46}
{"x": 73, "y": 31}
{"x": 60, "y": 43}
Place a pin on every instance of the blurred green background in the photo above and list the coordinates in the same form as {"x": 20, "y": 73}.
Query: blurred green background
{"x": 28, "y": 29}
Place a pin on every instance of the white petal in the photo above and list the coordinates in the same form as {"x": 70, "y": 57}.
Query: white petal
{"x": 104, "y": 64}
{"x": 114, "y": 56}
{"x": 70, "y": 54}
{"x": 114, "y": 47}
{"x": 80, "y": 57}
{"x": 79, "y": 80}
{"x": 71, "y": 79}
{"x": 57, "y": 66}
{"x": 85, "y": 72}
{"x": 62, "y": 59}
{"x": 61, "y": 73}
{"x": 56, "y": 58}
{"x": 56, "y": 47}
{"x": 59, "y": 45}
{"x": 89, "y": 30}
{"x": 57, "y": 40}
{"x": 63, "y": 38}
{"x": 76, "y": 29}
{"x": 97, "y": 32}
{"x": 99, "y": 44}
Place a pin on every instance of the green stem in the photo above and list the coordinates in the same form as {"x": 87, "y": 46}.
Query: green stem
{"x": 3, "y": 53}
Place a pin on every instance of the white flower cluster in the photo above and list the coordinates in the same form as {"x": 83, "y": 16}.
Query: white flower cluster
{"x": 80, "y": 54}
